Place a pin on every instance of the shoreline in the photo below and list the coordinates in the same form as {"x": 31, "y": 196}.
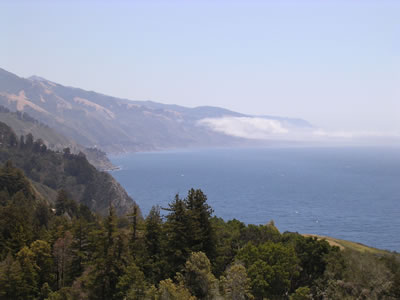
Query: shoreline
{"x": 115, "y": 168}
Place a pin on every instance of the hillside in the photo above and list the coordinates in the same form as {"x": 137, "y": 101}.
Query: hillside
{"x": 64, "y": 251}
{"x": 349, "y": 245}
{"x": 51, "y": 171}
{"x": 22, "y": 124}
{"x": 113, "y": 124}
{"x": 52, "y": 247}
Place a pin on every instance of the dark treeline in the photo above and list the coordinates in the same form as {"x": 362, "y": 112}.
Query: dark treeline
{"x": 51, "y": 171}
{"x": 65, "y": 251}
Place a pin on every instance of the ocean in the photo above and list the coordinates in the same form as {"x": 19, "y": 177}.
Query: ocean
{"x": 346, "y": 193}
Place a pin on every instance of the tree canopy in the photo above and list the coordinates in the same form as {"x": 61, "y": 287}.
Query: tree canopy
{"x": 63, "y": 250}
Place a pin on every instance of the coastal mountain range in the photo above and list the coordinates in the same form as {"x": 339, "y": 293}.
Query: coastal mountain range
{"x": 56, "y": 135}
{"x": 120, "y": 125}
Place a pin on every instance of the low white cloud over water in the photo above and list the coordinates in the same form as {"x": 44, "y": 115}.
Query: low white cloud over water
{"x": 355, "y": 134}
{"x": 264, "y": 129}
{"x": 246, "y": 127}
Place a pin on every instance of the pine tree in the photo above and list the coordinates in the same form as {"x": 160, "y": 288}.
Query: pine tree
{"x": 43, "y": 259}
{"x": 61, "y": 202}
{"x": 202, "y": 235}
{"x": 80, "y": 247}
{"x": 153, "y": 243}
{"x": 10, "y": 278}
{"x": 63, "y": 257}
{"x": 153, "y": 231}
{"x": 28, "y": 285}
{"x": 16, "y": 223}
{"x": 109, "y": 261}
{"x": 135, "y": 245}
{"x": 29, "y": 140}
{"x": 132, "y": 284}
{"x": 176, "y": 228}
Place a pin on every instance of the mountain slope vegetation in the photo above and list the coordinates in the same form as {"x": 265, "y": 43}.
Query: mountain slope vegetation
{"x": 22, "y": 124}
{"x": 64, "y": 251}
{"x": 52, "y": 171}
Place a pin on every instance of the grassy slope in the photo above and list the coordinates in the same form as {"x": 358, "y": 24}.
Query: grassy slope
{"x": 343, "y": 244}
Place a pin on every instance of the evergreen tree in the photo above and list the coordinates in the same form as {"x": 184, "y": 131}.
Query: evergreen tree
{"x": 14, "y": 180}
{"x": 43, "y": 260}
{"x": 80, "y": 247}
{"x": 61, "y": 202}
{"x": 201, "y": 232}
{"x": 153, "y": 243}
{"x": 132, "y": 284}
{"x": 10, "y": 279}
{"x": 28, "y": 285}
{"x": 136, "y": 243}
{"x": 63, "y": 258}
{"x": 43, "y": 214}
{"x": 153, "y": 231}
{"x": 29, "y": 140}
{"x": 109, "y": 261}
{"x": 16, "y": 224}
{"x": 176, "y": 228}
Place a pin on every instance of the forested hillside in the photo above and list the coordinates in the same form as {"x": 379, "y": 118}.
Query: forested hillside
{"x": 51, "y": 171}
{"x": 64, "y": 251}
{"x": 23, "y": 124}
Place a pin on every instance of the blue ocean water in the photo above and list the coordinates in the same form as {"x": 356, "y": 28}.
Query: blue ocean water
{"x": 347, "y": 193}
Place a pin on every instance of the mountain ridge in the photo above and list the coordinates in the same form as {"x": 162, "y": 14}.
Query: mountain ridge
{"x": 121, "y": 125}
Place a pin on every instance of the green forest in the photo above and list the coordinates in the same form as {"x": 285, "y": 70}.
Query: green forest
{"x": 50, "y": 171}
{"x": 62, "y": 249}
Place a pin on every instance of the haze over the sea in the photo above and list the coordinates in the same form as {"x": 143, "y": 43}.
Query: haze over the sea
{"x": 333, "y": 63}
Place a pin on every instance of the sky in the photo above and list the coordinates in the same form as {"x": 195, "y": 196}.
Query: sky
{"x": 334, "y": 63}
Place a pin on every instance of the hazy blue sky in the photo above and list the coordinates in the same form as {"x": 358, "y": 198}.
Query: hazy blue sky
{"x": 334, "y": 63}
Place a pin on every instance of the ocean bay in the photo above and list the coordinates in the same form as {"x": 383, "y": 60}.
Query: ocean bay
{"x": 347, "y": 193}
